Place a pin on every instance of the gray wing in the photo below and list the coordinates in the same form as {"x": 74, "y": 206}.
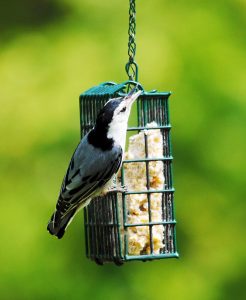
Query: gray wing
{"x": 90, "y": 169}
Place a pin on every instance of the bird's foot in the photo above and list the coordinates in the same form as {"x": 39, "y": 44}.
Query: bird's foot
{"x": 117, "y": 189}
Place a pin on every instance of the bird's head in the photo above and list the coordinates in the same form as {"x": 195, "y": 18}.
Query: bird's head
{"x": 114, "y": 115}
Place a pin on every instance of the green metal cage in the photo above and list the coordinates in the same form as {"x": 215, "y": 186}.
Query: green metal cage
{"x": 106, "y": 219}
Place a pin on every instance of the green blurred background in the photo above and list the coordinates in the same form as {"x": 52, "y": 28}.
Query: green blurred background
{"x": 50, "y": 52}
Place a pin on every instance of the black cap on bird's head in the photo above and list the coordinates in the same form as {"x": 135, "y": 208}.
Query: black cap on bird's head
{"x": 120, "y": 107}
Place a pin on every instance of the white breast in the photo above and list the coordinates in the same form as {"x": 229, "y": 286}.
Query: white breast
{"x": 117, "y": 132}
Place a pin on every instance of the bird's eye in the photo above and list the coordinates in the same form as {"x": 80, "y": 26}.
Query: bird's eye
{"x": 123, "y": 109}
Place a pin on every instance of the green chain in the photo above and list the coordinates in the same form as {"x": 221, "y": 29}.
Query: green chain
{"x": 131, "y": 66}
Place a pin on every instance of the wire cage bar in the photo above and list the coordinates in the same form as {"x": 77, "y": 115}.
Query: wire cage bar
{"x": 112, "y": 229}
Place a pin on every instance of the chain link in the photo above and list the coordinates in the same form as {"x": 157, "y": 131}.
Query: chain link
{"x": 131, "y": 66}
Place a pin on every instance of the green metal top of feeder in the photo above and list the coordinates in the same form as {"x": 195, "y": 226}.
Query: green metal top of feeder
{"x": 112, "y": 88}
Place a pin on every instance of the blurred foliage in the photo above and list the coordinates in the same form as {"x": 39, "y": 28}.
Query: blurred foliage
{"x": 28, "y": 14}
{"x": 53, "y": 50}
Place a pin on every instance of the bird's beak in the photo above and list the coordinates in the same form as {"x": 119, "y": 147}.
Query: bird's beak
{"x": 132, "y": 96}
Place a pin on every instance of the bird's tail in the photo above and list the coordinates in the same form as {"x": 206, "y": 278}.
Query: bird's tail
{"x": 57, "y": 224}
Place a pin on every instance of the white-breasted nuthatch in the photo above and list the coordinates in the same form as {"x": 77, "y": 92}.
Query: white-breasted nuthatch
{"x": 94, "y": 163}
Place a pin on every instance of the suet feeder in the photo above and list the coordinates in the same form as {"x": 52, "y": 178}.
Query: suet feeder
{"x": 138, "y": 224}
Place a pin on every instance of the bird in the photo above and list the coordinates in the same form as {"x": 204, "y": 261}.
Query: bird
{"x": 95, "y": 161}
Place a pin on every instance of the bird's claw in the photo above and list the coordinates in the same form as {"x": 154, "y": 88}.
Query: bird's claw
{"x": 117, "y": 189}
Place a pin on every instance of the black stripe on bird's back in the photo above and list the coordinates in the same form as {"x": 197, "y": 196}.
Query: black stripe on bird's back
{"x": 74, "y": 191}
